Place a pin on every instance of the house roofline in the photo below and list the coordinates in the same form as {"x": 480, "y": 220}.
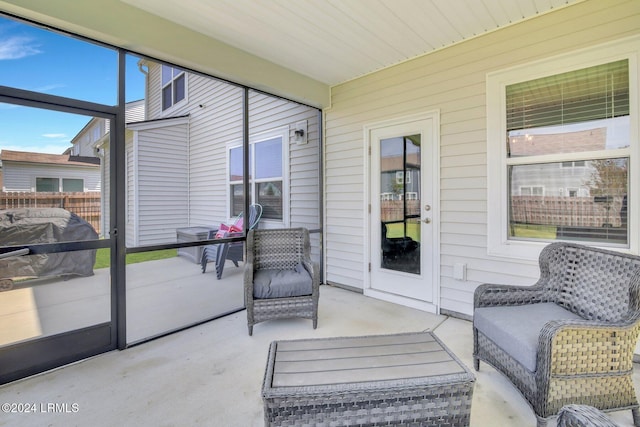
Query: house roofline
{"x": 49, "y": 159}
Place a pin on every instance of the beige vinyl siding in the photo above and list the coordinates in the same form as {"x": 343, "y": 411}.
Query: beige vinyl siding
{"x": 161, "y": 183}
{"x": 213, "y": 127}
{"x": 130, "y": 188}
{"x": 268, "y": 112}
{"x": 17, "y": 177}
{"x": 105, "y": 206}
{"x": 453, "y": 81}
{"x": 134, "y": 111}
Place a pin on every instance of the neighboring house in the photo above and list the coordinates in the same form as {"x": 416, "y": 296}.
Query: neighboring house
{"x": 563, "y": 193}
{"x": 36, "y": 172}
{"x": 91, "y": 141}
{"x": 561, "y": 179}
{"x": 78, "y": 169}
{"x": 87, "y": 142}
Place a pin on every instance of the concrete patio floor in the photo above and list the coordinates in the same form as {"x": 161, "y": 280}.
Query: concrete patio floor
{"x": 211, "y": 374}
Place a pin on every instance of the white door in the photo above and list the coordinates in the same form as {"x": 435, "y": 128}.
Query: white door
{"x": 403, "y": 166}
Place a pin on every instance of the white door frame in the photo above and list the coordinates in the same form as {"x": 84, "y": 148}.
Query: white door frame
{"x": 434, "y": 306}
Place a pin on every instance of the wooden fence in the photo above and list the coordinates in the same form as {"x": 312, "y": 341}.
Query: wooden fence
{"x": 85, "y": 205}
{"x": 568, "y": 211}
{"x": 394, "y": 210}
{"x": 540, "y": 210}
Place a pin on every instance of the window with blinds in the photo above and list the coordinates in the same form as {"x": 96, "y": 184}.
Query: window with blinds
{"x": 570, "y": 135}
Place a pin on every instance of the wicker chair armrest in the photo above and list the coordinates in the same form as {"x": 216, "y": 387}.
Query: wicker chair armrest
{"x": 488, "y": 295}
{"x": 578, "y": 347}
{"x": 248, "y": 282}
{"x": 314, "y": 271}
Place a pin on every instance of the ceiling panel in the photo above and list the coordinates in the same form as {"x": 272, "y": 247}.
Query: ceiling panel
{"x": 334, "y": 41}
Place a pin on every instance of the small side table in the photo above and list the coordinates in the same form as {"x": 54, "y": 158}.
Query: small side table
{"x": 192, "y": 234}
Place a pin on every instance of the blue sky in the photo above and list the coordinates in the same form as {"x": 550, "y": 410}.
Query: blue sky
{"x": 43, "y": 61}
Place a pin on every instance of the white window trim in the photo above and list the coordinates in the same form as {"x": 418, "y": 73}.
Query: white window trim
{"x": 60, "y": 179}
{"x": 531, "y": 187}
{"x": 184, "y": 101}
{"x": 282, "y": 132}
{"x": 498, "y": 243}
{"x": 84, "y": 188}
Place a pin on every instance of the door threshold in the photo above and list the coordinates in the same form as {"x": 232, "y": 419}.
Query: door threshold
{"x": 402, "y": 300}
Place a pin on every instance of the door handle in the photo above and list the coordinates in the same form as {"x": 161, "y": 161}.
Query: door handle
{"x": 427, "y": 220}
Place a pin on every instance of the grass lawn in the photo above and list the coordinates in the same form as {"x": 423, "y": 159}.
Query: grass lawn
{"x": 397, "y": 230}
{"x": 534, "y": 231}
{"x": 519, "y": 230}
{"x": 103, "y": 257}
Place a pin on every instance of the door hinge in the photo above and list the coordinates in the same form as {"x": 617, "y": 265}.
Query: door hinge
{"x": 369, "y": 267}
{"x": 369, "y": 150}
{"x": 369, "y": 207}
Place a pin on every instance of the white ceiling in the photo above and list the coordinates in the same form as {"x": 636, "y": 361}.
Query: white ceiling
{"x": 334, "y": 41}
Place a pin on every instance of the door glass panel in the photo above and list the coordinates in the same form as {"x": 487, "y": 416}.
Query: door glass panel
{"x": 400, "y": 203}
{"x": 50, "y": 292}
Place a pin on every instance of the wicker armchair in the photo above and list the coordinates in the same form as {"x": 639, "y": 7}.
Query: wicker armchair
{"x": 570, "y": 338}
{"x": 280, "y": 280}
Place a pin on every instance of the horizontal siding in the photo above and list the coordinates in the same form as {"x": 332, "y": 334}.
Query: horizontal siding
{"x": 106, "y": 191}
{"x": 134, "y": 112}
{"x": 453, "y": 81}
{"x": 131, "y": 215}
{"x": 162, "y": 183}
{"x": 213, "y": 128}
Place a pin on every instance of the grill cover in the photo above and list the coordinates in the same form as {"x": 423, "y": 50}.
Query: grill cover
{"x": 45, "y": 225}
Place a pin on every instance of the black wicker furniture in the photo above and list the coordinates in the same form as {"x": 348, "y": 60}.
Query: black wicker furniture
{"x": 583, "y": 416}
{"x": 570, "y": 338}
{"x": 280, "y": 279}
{"x": 401, "y": 379}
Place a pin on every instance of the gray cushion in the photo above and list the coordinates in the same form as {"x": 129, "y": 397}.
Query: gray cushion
{"x": 281, "y": 283}
{"x": 515, "y": 329}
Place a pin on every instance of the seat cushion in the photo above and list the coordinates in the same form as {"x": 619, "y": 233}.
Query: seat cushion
{"x": 515, "y": 329}
{"x": 281, "y": 283}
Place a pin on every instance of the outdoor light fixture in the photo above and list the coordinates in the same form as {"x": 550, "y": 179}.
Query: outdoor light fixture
{"x": 300, "y": 133}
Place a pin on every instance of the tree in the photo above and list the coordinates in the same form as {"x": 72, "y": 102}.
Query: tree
{"x": 609, "y": 177}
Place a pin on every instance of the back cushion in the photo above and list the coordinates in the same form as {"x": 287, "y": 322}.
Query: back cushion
{"x": 595, "y": 285}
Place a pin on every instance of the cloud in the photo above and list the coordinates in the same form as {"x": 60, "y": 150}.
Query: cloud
{"x": 17, "y": 47}
{"x": 55, "y": 135}
{"x": 49, "y": 88}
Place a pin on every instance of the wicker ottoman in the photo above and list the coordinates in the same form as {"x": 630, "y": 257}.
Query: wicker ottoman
{"x": 401, "y": 379}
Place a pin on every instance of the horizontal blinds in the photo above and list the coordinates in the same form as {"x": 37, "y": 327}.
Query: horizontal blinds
{"x": 592, "y": 93}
